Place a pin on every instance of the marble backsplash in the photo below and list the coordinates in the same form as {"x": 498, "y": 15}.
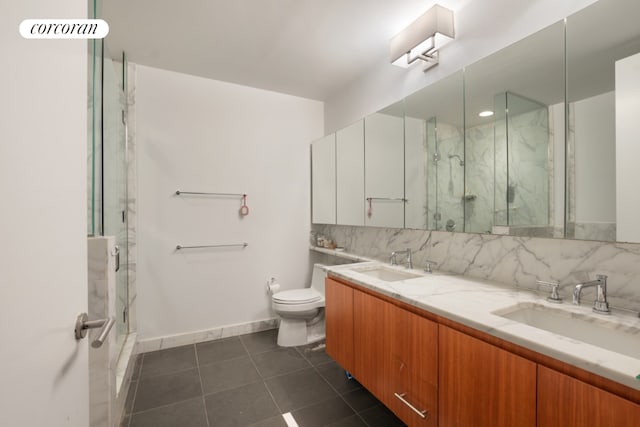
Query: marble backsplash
{"x": 518, "y": 261}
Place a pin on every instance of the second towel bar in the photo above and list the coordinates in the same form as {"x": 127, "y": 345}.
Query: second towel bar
{"x": 179, "y": 247}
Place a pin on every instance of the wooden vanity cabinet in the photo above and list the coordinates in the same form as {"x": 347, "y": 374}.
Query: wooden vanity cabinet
{"x": 339, "y": 323}
{"x": 387, "y": 349}
{"x": 459, "y": 379}
{"x": 369, "y": 342}
{"x": 411, "y": 366}
{"x": 564, "y": 401}
{"x": 482, "y": 385}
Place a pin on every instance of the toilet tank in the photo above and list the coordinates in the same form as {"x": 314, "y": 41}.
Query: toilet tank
{"x": 317, "y": 278}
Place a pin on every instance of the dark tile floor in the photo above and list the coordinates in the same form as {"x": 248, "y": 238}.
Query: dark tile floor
{"x": 247, "y": 381}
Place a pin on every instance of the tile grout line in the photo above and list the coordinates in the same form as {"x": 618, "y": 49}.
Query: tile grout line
{"x": 315, "y": 368}
{"x": 204, "y": 402}
{"x": 164, "y": 406}
{"x": 264, "y": 382}
{"x": 355, "y": 412}
{"x": 135, "y": 391}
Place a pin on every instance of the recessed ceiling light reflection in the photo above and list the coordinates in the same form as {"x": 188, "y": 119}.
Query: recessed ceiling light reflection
{"x": 486, "y": 113}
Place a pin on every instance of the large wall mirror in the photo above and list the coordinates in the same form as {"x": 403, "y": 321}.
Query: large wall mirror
{"x": 434, "y": 156}
{"x": 350, "y": 174}
{"x": 603, "y": 201}
{"x": 538, "y": 139}
{"x": 323, "y": 180}
{"x": 384, "y": 167}
{"x": 514, "y": 102}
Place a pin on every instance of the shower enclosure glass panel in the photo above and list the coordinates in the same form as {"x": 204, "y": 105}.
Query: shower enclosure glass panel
{"x": 114, "y": 200}
{"x": 522, "y": 162}
{"x": 94, "y": 137}
{"x": 434, "y": 156}
{"x": 107, "y": 166}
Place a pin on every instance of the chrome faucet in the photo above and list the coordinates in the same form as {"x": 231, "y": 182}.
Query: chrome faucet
{"x": 428, "y": 268}
{"x": 554, "y": 297}
{"x": 600, "y": 305}
{"x": 393, "y": 259}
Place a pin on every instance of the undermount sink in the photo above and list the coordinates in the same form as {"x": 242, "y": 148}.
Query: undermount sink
{"x": 387, "y": 274}
{"x": 599, "y": 331}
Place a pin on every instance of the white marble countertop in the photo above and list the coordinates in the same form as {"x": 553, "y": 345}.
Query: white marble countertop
{"x": 473, "y": 302}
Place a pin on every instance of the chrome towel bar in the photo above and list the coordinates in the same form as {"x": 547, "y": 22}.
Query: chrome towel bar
{"x": 179, "y": 247}
{"x": 178, "y": 192}
{"x": 369, "y": 199}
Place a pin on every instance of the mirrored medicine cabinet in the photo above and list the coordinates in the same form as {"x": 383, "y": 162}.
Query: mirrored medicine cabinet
{"x": 538, "y": 139}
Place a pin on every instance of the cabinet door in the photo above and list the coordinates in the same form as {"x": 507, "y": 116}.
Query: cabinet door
{"x": 339, "y": 322}
{"x": 411, "y": 366}
{"x": 368, "y": 327}
{"x": 566, "y": 402}
{"x": 350, "y": 174}
{"x": 481, "y": 385}
{"x": 323, "y": 180}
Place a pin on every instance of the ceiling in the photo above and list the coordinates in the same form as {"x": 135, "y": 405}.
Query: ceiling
{"x": 307, "y": 48}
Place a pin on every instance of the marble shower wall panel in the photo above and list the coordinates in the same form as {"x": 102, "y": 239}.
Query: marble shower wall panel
{"x": 415, "y": 175}
{"x": 528, "y": 170}
{"x": 450, "y": 177}
{"x": 432, "y": 178}
{"x": 132, "y": 191}
{"x": 513, "y": 261}
{"x": 528, "y": 139}
{"x": 101, "y": 305}
{"x": 480, "y": 178}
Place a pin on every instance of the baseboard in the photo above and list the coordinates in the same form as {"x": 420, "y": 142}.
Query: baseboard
{"x": 170, "y": 341}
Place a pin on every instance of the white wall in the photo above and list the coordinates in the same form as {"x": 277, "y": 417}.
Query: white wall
{"x": 595, "y": 159}
{"x": 627, "y": 148}
{"x": 43, "y": 221}
{"x": 482, "y": 27}
{"x": 196, "y": 134}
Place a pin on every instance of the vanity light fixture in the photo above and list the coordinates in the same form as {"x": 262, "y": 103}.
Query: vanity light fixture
{"x": 423, "y": 38}
{"x": 485, "y": 113}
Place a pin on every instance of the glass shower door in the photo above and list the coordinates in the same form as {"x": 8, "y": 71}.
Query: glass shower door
{"x": 114, "y": 182}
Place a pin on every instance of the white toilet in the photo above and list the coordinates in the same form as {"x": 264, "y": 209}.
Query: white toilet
{"x": 301, "y": 312}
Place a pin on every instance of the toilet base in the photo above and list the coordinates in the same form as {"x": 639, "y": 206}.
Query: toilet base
{"x": 296, "y": 332}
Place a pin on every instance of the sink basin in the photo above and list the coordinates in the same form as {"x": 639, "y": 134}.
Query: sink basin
{"x": 601, "y": 332}
{"x": 388, "y": 274}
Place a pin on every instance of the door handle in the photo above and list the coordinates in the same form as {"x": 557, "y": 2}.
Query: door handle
{"x": 83, "y": 323}
{"x": 116, "y": 253}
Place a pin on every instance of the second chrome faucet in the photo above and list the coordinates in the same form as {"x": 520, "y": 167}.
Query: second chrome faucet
{"x": 394, "y": 257}
{"x": 601, "y": 305}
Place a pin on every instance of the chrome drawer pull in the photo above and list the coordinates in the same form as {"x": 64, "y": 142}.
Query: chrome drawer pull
{"x": 423, "y": 414}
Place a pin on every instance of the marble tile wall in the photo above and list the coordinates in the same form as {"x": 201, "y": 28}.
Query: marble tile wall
{"x": 445, "y": 183}
{"x": 132, "y": 191}
{"x": 101, "y": 304}
{"x": 529, "y": 163}
{"x": 517, "y": 261}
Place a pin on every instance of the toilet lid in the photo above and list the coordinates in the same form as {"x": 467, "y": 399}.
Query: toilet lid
{"x": 297, "y": 296}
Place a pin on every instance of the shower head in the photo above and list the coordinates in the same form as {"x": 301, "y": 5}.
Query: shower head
{"x": 451, "y": 156}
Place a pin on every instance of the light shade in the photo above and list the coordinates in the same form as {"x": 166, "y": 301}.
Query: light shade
{"x": 423, "y": 38}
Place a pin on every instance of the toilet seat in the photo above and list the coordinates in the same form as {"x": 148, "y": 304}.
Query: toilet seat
{"x": 297, "y": 296}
